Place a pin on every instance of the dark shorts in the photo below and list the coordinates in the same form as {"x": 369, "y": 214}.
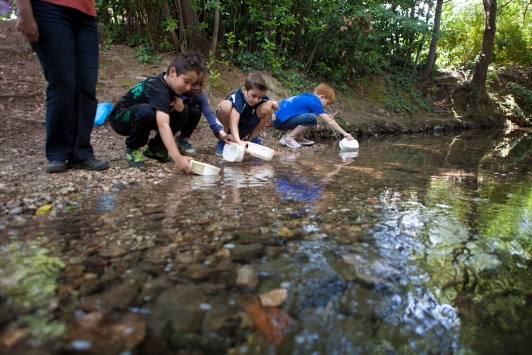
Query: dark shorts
{"x": 246, "y": 124}
{"x": 305, "y": 119}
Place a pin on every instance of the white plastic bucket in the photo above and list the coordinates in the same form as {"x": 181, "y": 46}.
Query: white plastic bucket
{"x": 203, "y": 169}
{"x": 260, "y": 151}
{"x": 345, "y": 144}
{"x": 233, "y": 152}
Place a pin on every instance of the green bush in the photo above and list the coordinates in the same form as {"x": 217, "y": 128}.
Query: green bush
{"x": 403, "y": 96}
{"x": 522, "y": 94}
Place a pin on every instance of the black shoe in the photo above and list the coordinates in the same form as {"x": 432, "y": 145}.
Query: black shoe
{"x": 56, "y": 166}
{"x": 134, "y": 159}
{"x": 92, "y": 164}
{"x": 153, "y": 153}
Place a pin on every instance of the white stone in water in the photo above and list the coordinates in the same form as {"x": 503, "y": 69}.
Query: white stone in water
{"x": 205, "y": 306}
{"x": 299, "y": 339}
{"x": 81, "y": 344}
{"x": 285, "y": 284}
{"x": 243, "y": 349}
{"x": 229, "y": 246}
{"x": 129, "y": 330}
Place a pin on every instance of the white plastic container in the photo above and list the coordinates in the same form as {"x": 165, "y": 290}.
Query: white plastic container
{"x": 233, "y": 152}
{"x": 345, "y": 144}
{"x": 260, "y": 151}
{"x": 204, "y": 169}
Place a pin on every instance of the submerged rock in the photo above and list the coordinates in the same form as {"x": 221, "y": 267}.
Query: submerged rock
{"x": 246, "y": 252}
{"x": 100, "y": 334}
{"x": 121, "y": 297}
{"x": 247, "y": 279}
{"x": 177, "y": 310}
{"x": 274, "y": 298}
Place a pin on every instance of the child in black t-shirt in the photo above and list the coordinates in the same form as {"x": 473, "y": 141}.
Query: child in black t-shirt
{"x": 153, "y": 104}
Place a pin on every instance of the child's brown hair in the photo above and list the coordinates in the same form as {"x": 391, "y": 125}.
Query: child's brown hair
{"x": 186, "y": 62}
{"x": 326, "y": 91}
{"x": 255, "y": 81}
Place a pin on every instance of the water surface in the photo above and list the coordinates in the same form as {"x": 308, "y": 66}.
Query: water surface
{"x": 414, "y": 244}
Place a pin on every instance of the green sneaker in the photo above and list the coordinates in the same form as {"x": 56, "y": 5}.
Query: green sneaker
{"x": 134, "y": 158}
{"x": 185, "y": 148}
{"x": 154, "y": 154}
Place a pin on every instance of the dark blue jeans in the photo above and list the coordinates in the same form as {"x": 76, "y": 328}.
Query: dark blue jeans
{"x": 305, "y": 119}
{"x": 68, "y": 52}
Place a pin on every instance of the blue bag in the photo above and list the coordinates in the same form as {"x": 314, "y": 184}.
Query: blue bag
{"x": 101, "y": 113}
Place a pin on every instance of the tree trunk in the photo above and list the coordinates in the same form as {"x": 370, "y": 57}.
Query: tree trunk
{"x": 172, "y": 32}
{"x": 181, "y": 27}
{"x": 484, "y": 57}
{"x": 424, "y": 76}
{"x": 214, "y": 42}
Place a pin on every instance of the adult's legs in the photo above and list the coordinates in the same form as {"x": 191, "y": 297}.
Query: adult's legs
{"x": 86, "y": 39}
{"x": 56, "y": 52}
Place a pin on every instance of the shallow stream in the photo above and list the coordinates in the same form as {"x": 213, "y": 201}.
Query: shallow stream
{"x": 417, "y": 244}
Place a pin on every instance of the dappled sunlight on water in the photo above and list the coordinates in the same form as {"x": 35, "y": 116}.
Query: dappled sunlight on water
{"x": 397, "y": 247}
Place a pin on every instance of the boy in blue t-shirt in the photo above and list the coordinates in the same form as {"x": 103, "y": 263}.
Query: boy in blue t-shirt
{"x": 245, "y": 112}
{"x": 297, "y": 113}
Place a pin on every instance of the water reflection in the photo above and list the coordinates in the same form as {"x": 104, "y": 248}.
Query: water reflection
{"x": 297, "y": 188}
{"x": 348, "y": 155}
{"x": 422, "y": 246}
{"x": 239, "y": 176}
{"x": 106, "y": 203}
{"x": 205, "y": 181}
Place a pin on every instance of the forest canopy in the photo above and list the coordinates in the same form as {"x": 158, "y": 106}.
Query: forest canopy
{"x": 339, "y": 40}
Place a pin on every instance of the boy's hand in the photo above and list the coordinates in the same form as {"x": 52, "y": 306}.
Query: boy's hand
{"x": 317, "y": 127}
{"x": 244, "y": 144}
{"x": 227, "y": 138}
{"x": 348, "y": 137}
{"x": 177, "y": 105}
{"x": 267, "y": 108}
{"x": 183, "y": 163}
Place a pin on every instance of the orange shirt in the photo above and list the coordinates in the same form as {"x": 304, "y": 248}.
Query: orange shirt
{"x": 85, "y": 6}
